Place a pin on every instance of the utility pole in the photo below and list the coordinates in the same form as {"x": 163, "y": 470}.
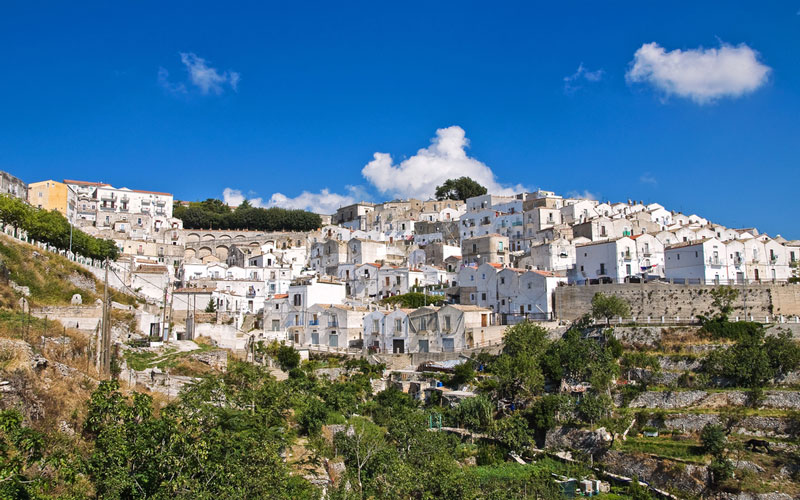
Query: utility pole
{"x": 164, "y": 317}
{"x": 106, "y": 335}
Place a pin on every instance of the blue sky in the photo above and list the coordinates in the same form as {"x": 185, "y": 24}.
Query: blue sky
{"x": 196, "y": 97}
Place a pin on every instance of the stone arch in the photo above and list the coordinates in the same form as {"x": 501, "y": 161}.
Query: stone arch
{"x": 189, "y": 253}
{"x": 225, "y": 237}
{"x": 192, "y": 237}
{"x": 239, "y": 237}
{"x": 254, "y": 244}
{"x": 222, "y": 252}
{"x": 204, "y": 252}
{"x": 209, "y": 237}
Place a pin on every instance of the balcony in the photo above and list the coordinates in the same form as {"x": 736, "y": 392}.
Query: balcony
{"x": 110, "y": 208}
{"x": 647, "y": 253}
{"x": 626, "y": 256}
{"x": 738, "y": 261}
{"x": 714, "y": 261}
{"x": 314, "y": 322}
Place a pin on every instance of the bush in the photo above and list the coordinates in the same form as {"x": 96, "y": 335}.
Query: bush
{"x": 713, "y": 439}
{"x": 288, "y": 359}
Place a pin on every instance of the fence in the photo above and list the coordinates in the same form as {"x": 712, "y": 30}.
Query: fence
{"x": 606, "y": 280}
{"x": 692, "y": 320}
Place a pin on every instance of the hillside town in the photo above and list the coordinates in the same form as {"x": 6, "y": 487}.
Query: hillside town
{"x": 481, "y": 264}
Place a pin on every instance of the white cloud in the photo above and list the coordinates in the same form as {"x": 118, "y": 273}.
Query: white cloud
{"x": 201, "y": 75}
{"x": 418, "y": 176}
{"x": 703, "y": 75}
{"x": 163, "y": 80}
{"x": 575, "y": 81}
{"x": 323, "y": 202}
{"x": 234, "y": 198}
{"x": 648, "y": 178}
{"x": 584, "y": 195}
{"x": 206, "y": 78}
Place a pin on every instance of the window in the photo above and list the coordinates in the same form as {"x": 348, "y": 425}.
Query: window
{"x": 423, "y": 323}
{"x": 483, "y": 296}
{"x": 474, "y": 248}
{"x": 375, "y": 326}
{"x": 398, "y": 324}
{"x": 530, "y": 285}
{"x": 298, "y": 299}
{"x": 502, "y": 281}
{"x": 447, "y": 322}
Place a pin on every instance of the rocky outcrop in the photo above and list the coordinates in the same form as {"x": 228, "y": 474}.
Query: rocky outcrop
{"x": 570, "y": 438}
{"x": 217, "y": 359}
{"x": 82, "y": 282}
{"x": 662, "y": 474}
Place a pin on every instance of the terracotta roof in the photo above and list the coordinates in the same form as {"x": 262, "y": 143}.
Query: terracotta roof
{"x": 281, "y": 296}
{"x": 495, "y": 265}
{"x": 544, "y": 273}
{"x": 151, "y": 269}
{"x": 193, "y": 290}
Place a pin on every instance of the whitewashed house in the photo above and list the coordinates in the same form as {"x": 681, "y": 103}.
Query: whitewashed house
{"x": 699, "y": 261}
{"x": 615, "y": 260}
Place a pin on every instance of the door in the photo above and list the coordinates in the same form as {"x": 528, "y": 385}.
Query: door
{"x": 334, "y": 340}
{"x": 423, "y": 346}
{"x": 756, "y": 274}
{"x": 740, "y": 277}
{"x": 315, "y": 338}
{"x": 398, "y": 346}
{"x": 448, "y": 345}
{"x": 484, "y": 320}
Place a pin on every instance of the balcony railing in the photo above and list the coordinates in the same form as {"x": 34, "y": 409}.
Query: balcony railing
{"x": 314, "y": 322}
{"x": 738, "y": 261}
{"x": 626, "y": 255}
{"x": 714, "y": 261}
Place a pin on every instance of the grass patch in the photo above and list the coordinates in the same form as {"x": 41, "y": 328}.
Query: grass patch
{"x": 170, "y": 359}
{"x": 666, "y": 447}
{"x": 47, "y": 276}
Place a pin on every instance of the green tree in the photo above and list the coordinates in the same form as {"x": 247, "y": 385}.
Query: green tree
{"x": 609, "y": 306}
{"x": 724, "y": 297}
{"x": 364, "y": 448}
{"x": 212, "y": 306}
{"x": 20, "y": 448}
{"x": 474, "y": 414}
{"x": 459, "y": 189}
{"x": 288, "y": 358}
{"x": 411, "y": 300}
{"x": 517, "y": 369}
{"x": 713, "y": 439}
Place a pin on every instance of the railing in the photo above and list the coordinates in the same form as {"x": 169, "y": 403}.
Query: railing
{"x": 692, "y": 320}
{"x": 314, "y": 322}
{"x": 714, "y": 261}
{"x": 606, "y": 280}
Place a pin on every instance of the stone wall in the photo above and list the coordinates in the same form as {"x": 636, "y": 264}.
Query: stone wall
{"x": 670, "y": 400}
{"x": 671, "y": 300}
{"x": 84, "y": 318}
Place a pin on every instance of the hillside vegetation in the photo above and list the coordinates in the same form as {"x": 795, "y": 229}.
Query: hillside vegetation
{"x": 50, "y": 278}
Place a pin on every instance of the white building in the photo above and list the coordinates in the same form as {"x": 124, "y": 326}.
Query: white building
{"x": 615, "y": 260}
